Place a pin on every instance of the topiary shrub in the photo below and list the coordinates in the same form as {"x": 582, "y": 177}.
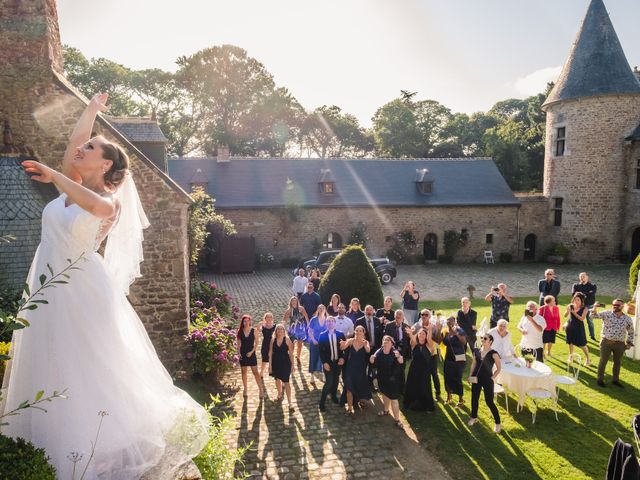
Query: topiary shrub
{"x": 20, "y": 460}
{"x": 352, "y": 275}
{"x": 633, "y": 275}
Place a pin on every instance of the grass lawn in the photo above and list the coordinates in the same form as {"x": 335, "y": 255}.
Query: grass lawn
{"x": 578, "y": 446}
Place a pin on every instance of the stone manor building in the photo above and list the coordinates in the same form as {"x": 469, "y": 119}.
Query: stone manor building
{"x": 590, "y": 203}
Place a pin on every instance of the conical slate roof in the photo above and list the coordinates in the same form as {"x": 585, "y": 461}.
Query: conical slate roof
{"x": 597, "y": 64}
{"x": 21, "y": 204}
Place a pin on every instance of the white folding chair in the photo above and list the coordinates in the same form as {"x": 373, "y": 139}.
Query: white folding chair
{"x": 488, "y": 257}
{"x": 539, "y": 395}
{"x": 497, "y": 390}
{"x": 574, "y": 363}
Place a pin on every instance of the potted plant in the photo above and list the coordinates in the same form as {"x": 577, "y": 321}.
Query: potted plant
{"x": 529, "y": 358}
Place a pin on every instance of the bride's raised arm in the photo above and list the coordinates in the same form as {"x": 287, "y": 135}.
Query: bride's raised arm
{"x": 82, "y": 133}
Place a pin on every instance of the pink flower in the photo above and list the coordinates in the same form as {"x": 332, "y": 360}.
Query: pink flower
{"x": 214, "y": 286}
{"x": 226, "y": 297}
{"x": 198, "y": 303}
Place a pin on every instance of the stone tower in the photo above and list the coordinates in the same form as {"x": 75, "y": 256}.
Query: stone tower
{"x": 593, "y": 108}
{"x": 42, "y": 108}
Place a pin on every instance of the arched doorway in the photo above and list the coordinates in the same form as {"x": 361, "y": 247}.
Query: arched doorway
{"x": 431, "y": 246}
{"x": 530, "y": 248}
{"x": 332, "y": 241}
{"x": 635, "y": 243}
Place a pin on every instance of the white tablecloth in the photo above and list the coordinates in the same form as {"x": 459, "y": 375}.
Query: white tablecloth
{"x": 519, "y": 379}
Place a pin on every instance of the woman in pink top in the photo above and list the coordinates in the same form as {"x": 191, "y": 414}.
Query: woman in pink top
{"x": 551, "y": 314}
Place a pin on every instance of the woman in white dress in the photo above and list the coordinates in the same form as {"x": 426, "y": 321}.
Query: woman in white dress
{"x": 88, "y": 339}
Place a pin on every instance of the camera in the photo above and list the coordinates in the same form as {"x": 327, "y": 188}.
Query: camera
{"x": 599, "y": 305}
{"x": 528, "y": 313}
{"x": 495, "y": 289}
{"x": 571, "y": 307}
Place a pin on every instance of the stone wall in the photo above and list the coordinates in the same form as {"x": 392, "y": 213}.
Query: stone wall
{"x": 295, "y": 239}
{"x": 534, "y": 220}
{"x": 591, "y": 175}
{"x": 43, "y": 110}
{"x": 632, "y": 200}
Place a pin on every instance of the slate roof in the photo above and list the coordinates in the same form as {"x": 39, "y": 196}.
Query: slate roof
{"x": 135, "y": 129}
{"x": 596, "y": 64}
{"x": 21, "y": 204}
{"x": 275, "y": 182}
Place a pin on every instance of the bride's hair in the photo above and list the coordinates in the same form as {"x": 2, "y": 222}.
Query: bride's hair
{"x": 115, "y": 175}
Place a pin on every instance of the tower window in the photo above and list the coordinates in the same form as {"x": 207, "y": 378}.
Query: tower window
{"x": 560, "y": 139}
{"x": 638, "y": 176}
{"x": 489, "y": 239}
{"x": 557, "y": 212}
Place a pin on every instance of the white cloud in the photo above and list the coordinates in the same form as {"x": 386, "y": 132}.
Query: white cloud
{"x": 536, "y": 81}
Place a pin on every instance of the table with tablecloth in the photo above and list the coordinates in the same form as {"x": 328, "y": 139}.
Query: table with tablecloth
{"x": 517, "y": 378}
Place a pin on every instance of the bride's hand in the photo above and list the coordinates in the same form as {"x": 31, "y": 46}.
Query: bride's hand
{"x": 40, "y": 172}
{"x": 99, "y": 101}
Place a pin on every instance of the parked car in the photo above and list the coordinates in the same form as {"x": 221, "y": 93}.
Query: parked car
{"x": 383, "y": 267}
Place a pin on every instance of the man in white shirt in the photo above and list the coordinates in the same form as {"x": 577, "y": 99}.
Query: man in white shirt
{"x": 531, "y": 326}
{"x": 300, "y": 284}
{"x": 344, "y": 323}
{"x": 502, "y": 340}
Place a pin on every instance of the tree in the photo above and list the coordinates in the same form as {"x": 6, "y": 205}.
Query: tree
{"x": 101, "y": 75}
{"x": 229, "y": 92}
{"x": 352, "y": 275}
{"x": 329, "y": 132}
{"x": 408, "y": 128}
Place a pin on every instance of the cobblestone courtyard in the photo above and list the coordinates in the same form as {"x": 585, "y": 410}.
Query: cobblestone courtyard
{"x": 311, "y": 444}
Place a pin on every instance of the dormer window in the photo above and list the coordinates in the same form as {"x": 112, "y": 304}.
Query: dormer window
{"x": 327, "y": 182}
{"x": 424, "y": 183}
{"x": 327, "y": 188}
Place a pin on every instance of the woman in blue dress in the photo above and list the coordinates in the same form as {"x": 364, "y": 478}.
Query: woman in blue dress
{"x": 316, "y": 327}
{"x": 356, "y": 381}
{"x": 576, "y": 334}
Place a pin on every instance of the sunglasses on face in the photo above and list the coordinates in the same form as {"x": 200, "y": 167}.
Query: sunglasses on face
{"x": 617, "y": 305}
{"x": 425, "y": 315}
{"x": 486, "y": 339}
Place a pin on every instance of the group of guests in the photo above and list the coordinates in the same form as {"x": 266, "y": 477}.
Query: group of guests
{"x": 370, "y": 349}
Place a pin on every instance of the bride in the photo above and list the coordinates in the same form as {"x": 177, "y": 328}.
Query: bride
{"x": 88, "y": 339}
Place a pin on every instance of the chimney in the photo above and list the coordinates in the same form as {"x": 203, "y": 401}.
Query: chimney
{"x": 222, "y": 154}
{"x": 30, "y": 37}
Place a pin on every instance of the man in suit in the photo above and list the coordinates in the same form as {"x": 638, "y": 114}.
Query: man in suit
{"x": 373, "y": 333}
{"x": 401, "y": 334}
{"x": 332, "y": 359}
{"x": 548, "y": 286}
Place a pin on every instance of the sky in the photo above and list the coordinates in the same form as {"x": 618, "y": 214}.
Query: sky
{"x": 357, "y": 54}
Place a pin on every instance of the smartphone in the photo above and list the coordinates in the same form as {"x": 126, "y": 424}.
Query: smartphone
{"x": 528, "y": 313}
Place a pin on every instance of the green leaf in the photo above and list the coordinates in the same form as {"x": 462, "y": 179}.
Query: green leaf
{"x": 4, "y": 357}
{"x": 39, "y": 395}
{"x": 24, "y": 404}
{"x": 50, "y": 269}
{"x": 26, "y": 289}
{"x": 31, "y": 307}
{"x": 40, "y": 301}
{"x": 43, "y": 279}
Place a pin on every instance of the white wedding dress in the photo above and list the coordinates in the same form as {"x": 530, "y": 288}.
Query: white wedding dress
{"x": 89, "y": 340}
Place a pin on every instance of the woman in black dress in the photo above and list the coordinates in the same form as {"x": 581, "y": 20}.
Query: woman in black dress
{"x": 482, "y": 377}
{"x": 332, "y": 309}
{"x": 455, "y": 360}
{"x": 266, "y": 329}
{"x": 388, "y": 363}
{"x": 247, "y": 344}
{"x": 417, "y": 394}
{"x": 467, "y": 318}
{"x": 356, "y": 381}
{"x": 576, "y": 334}
{"x": 280, "y": 361}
